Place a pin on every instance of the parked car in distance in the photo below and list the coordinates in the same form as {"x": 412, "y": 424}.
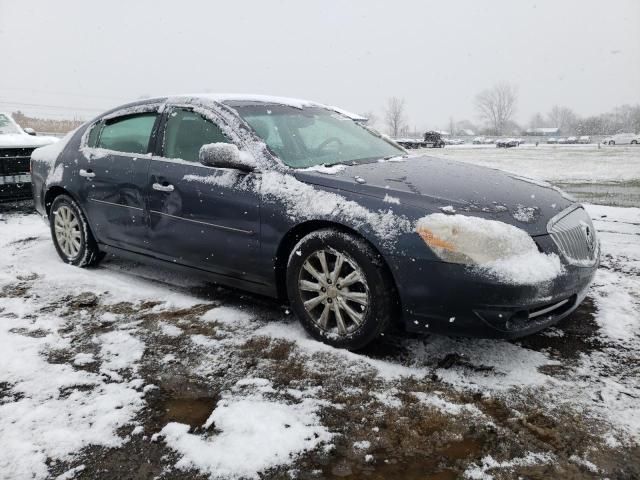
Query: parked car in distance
{"x": 433, "y": 139}
{"x": 16, "y": 145}
{"x": 506, "y": 143}
{"x": 584, "y": 139}
{"x": 622, "y": 139}
{"x": 572, "y": 140}
{"x": 489, "y": 141}
{"x": 552, "y": 140}
{"x": 478, "y": 140}
{"x": 291, "y": 199}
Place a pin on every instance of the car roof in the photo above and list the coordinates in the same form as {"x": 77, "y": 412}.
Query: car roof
{"x": 238, "y": 99}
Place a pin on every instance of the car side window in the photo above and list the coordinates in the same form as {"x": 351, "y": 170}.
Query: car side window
{"x": 92, "y": 140}
{"x": 128, "y": 134}
{"x": 186, "y": 131}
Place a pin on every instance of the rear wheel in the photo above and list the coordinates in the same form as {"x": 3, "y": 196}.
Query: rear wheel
{"x": 339, "y": 289}
{"x": 611, "y": 142}
{"x": 634, "y": 142}
{"x": 71, "y": 235}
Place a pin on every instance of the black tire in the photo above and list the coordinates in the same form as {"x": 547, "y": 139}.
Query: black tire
{"x": 611, "y": 142}
{"x": 88, "y": 254}
{"x": 634, "y": 142}
{"x": 377, "y": 288}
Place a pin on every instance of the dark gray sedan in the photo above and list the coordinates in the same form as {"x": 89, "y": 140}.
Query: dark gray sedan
{"x": 296, "y": 200}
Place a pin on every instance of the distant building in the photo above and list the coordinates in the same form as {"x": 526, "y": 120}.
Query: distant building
{"x": 543, "y": 131}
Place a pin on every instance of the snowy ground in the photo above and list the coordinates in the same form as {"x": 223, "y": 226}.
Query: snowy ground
{"x": 126, "y": 371}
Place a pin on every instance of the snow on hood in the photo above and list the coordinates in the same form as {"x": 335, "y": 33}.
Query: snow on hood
{"x": 432, "y": 183}
{"x": 23, "y": 140}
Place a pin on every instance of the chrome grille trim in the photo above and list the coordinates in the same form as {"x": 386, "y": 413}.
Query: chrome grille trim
{"x": 575, "y": 236}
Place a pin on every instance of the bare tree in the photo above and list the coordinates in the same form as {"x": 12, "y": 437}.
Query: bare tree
{"x": 497, "y": 106}
{"x": 537, "y": 121}
{"x": 394, "y": 116}
{"x": 372, "y": 118}
{"x": 562, "y": 117}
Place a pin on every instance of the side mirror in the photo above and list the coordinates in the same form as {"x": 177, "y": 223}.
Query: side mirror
{"x": 225, "y": 155}
{"x": 29, "y": 131}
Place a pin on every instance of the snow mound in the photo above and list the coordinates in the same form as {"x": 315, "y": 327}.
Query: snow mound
{"x": 254, "y": 434}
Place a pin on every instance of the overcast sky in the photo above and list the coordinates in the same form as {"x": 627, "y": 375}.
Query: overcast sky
{"x": 437, "y": 55}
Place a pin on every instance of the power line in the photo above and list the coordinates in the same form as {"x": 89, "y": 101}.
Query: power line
{"x": 60, "y": 107}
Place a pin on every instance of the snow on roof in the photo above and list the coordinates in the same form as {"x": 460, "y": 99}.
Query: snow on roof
{"x": 347, "y": 113}
{"x": 242, "y": 97}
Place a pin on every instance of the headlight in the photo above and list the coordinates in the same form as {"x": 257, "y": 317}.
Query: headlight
{"x": 473, "y": 240}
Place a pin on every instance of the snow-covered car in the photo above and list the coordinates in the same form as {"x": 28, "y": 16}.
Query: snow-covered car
{"x": 572, "y": 140}
{"x": 478, "y": 140}
{"x": 507, "y": 143}
{"x": 552, "y": 140}
{"x": 16, "y": 145}
{"x": 584, "y": 139}
{"x": 290, "y": 199}
{"x": 489, "y": 141}
{"x": 622, "y": 139}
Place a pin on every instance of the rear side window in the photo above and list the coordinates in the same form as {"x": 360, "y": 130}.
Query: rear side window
{"x": 129, "y": 134}
{"x": 186, "y": 132}
{"x": 93, "y": 135}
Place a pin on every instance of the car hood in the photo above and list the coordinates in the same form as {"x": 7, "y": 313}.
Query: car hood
{"x": 23, "y": 140}
{"x": 432, "y": 183}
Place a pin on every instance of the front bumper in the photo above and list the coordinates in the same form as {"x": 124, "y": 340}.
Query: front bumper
{"x": 449, "y": 298}
{"x": 15, "y": 187}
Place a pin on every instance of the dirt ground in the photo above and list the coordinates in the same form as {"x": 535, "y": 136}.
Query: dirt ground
{"x": 411, "y": 407}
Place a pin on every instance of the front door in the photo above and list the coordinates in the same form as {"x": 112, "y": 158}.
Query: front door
{"x": 115, "y": 179}
{"x": 204, "y": 217}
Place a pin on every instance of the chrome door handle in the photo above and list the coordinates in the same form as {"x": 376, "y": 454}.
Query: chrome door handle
{"x": 86, "y": 173}
{"x": 163, "y": 188}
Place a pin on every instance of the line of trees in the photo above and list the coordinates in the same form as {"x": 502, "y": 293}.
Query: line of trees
{"x": 496, "y": 108}
{"x": 45, "y": 124}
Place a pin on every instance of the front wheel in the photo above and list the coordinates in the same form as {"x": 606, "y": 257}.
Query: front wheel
{"x": 71, "y": 235}
{"x": 634, "y": 142}
{"x": 339, "y": 289}
{"x": 611, "y": 142}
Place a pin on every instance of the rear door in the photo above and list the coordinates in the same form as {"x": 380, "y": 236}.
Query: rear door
{"x": 201, "y": 216}
{"x": 114, "y": 174}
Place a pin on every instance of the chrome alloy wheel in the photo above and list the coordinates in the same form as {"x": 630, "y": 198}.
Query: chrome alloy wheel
{"x": 334, "y": 291}
{"x": 67, "y": 229}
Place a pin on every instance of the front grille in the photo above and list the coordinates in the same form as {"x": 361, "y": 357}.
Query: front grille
{"x": 574, "y": 235}
{"x": 14, "y": 161}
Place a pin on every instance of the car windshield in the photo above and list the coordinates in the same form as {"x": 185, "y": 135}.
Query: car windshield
{"x": 306, "y": 137}
{"x": 7, "y": 126}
